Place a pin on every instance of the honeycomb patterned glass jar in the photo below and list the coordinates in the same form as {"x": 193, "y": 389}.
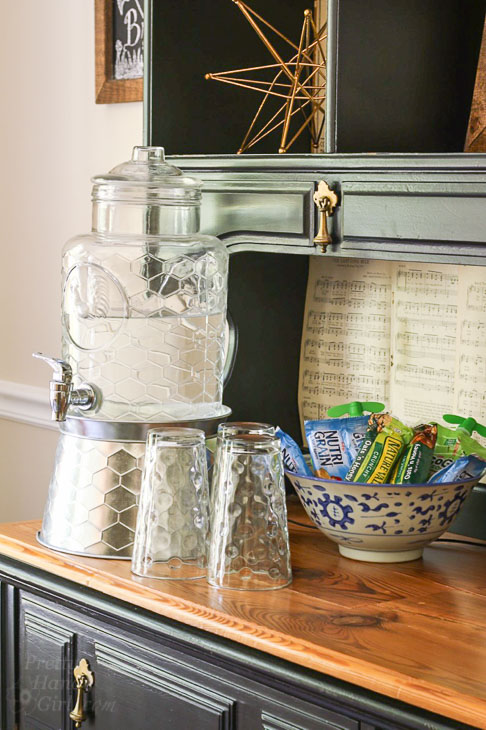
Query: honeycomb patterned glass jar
{"x": 144, "y": 297}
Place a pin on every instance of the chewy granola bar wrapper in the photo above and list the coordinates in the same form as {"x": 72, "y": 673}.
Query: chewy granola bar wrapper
{"x": 334, "y": 443}
{"x": 450, "y": 446}
{"x": 413, "y": 467}
{"x": 384, "y": 441}
{"x": 465, "y": 467}
{"x": 293, "y": 458}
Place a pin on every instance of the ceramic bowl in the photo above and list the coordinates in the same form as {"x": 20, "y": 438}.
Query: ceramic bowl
{"x": 382, "y": 523}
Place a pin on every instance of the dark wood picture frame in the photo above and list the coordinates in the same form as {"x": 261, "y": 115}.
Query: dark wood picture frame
{"x": 108, "y": 89}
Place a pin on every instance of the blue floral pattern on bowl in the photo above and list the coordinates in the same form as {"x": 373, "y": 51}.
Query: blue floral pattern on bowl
{"x": 380, "y": 523}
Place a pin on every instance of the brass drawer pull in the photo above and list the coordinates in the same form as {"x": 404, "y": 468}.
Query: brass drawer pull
{"x": 326, "y": 201}
{"x": 84, "y": 680}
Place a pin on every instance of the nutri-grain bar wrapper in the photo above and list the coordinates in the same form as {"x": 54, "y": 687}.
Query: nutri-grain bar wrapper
{"x": 293, "y": 457}
{"x": 334, "y": 443}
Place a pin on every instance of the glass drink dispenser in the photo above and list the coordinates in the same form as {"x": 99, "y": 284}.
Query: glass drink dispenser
{"x": 144, "y": 334}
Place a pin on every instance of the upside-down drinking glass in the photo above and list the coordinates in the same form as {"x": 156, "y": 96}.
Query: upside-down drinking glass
{"x": 172, "y": 526}
{"x": 234, "y": 428}
{"x": 249, "y": 544}
{"x": 240, "y": 428}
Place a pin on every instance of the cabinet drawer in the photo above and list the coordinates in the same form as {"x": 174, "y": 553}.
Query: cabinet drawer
{"x": 412, "y": 212}
{"x": 249, "y": 216}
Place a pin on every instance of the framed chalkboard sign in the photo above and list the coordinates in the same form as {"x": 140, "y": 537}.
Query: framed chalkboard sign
{"x": 119, "y": 32}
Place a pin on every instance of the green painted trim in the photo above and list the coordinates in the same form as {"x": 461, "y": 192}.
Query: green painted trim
{"x": 366, "y": 162}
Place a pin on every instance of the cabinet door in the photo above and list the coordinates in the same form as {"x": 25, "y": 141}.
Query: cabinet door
{"x": 45, "y": 657}
{"x": 133, "y": 692}
{"x": 132, "y": 689}
{"x": 143, "y": 682}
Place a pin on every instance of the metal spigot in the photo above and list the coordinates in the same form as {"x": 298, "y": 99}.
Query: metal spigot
{"x": 61, "y": 391}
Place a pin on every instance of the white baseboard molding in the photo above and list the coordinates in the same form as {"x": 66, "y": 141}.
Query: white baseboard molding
{"x": 25, "y": 404}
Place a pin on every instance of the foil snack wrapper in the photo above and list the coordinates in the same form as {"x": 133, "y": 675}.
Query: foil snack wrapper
{"x": 452, "y": 445}
{"x": 465, "y": 467}
{"x": 293, "y": 457}
{"x": 334, "y": 443}
{"x": 413, "y": 467}
{"x": 383, "y": 443}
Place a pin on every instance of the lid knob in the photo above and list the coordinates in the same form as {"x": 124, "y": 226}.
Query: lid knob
{"x": 148, "y": 154}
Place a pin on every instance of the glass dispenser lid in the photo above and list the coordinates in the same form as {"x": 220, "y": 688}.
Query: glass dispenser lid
{"x": 147, "y": 177}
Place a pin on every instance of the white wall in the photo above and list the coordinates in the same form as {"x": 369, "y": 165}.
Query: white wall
{"x": 53, "y": 138}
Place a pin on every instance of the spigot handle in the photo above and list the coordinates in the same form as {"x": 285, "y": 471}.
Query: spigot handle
{"x": 62, "y": 370}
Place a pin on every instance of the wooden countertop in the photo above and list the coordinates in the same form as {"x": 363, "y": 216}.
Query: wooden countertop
{"x": 412, "y": 631}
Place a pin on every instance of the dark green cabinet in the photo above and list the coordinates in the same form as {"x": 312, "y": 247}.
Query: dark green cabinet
{"x": 151, "y": 672}
{"x": 139, "y": 682}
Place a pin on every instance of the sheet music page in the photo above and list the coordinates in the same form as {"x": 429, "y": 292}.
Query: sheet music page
{"x": 424, "y": 328}
{"x": 345, "y": 351}
{"x": 470, "y": 392}
{"x": 412, "y": 335}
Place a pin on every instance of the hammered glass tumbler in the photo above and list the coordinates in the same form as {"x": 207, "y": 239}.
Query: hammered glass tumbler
{"x": 172, "y": 526}
{"x": 249, "y": 544}
{"x": 240, "y": 428}
{"x": 235, "y": 428}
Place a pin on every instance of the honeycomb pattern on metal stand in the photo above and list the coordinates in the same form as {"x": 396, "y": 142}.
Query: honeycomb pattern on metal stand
{"x": 148, "y": 331}
{"x": 93, "y": 497}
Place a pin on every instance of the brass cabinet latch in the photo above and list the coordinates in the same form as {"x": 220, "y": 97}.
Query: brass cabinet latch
{"x": 326, "y": 201}
{"x": 84, "y": 679}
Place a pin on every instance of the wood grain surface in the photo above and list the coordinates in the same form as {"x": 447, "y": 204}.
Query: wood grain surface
{"x": 476, "y": 133}
{"x": 412, "y": 631}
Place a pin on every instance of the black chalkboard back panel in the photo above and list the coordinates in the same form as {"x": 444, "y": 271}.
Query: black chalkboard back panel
{"x": 190, "y": 115}
{"x": 403, "y": 81}
{"x": 405, "y": 74}
{"x": 264, "y": 382}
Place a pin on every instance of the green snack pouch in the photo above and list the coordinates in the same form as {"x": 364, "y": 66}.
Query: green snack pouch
{"x": 452, "y": 444}
{"x": 414, "y": 465}
{"x": 447, "y": 449}
{"x": 382, "y": 445}
{"x": 365, "y": 446}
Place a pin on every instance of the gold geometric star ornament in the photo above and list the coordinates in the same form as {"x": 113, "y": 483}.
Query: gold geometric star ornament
{"x": 298, "y": 86}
